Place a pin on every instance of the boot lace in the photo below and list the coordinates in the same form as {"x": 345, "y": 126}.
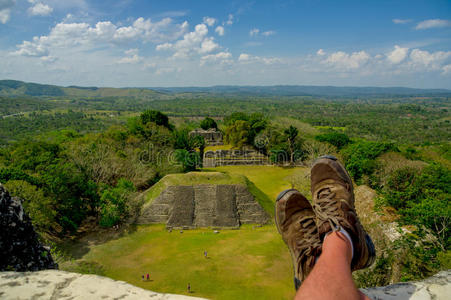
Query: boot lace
{"x": 309, "y": 246}
{"x": 327, "y": 209}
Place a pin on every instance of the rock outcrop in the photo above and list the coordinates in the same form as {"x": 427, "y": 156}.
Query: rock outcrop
{"x": 20, "y": 249}
{"x": 437, "y": 287}
{"x": 204, "y": 205}
{"x": 52, "y": 284}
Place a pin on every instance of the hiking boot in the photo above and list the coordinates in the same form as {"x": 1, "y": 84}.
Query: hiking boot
{"x": 333, "y": 202}
{"x": 295, "y": 221}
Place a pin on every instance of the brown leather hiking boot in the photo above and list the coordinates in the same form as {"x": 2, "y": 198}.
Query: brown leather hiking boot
{"x": 333, "y": 202}
{"x": 295, "y": 221}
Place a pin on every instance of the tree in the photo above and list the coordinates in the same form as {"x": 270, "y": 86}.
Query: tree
{"x": 208, "y": 123}
{"x": 291, "y": 133}
{"x": 199, "y": 142}
{"x": 113, "y": 203}
{"x": 156, "y": 117}
{"x": 237, "y": 134}
{"x": 335, "y": 138}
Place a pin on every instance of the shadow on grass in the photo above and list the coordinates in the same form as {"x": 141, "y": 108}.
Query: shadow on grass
{"x": 80, "y": 245}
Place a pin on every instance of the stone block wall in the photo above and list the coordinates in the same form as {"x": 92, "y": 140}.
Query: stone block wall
{"x": 204, "y": 205}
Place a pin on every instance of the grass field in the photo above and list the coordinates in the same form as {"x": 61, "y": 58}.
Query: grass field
{"x": 249, "y": 263}
{"x": 269, "y": 179}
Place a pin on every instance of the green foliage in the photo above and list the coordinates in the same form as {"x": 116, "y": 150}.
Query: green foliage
{"x": 208, "y": 123}
{"x": 237, "y": 134}
{"x": 156, "y": 117}
{"x": 423, "y": 199}
{"x": 360, "y": 157}
{"x": 338, "y": 139}
{"x": 7, "y": 174}
{"x": 113, "y": 203}
{"x": 188, "y": 159}
{"x": 39, "y": 207}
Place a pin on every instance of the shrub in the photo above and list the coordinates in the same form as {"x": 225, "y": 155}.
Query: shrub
{"x": 208, "y": 123}
{"x": 338, "y": 139}
{"x": 113, "y": 203}
{"x": 360, "y": 157}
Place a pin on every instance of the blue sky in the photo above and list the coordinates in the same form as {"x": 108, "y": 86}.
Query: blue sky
{"x": 204, "y": 43}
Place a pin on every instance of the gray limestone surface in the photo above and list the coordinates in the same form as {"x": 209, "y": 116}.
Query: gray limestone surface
{"x": 437, "y": 287}
{"x": 53, "y": 284}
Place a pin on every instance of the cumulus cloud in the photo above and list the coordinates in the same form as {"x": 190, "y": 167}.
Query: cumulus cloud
{"x": 83, "y": 34}
{"x": 244, "y": 57}
{"x": 320, "y": 52}
{"x": 347, "y": 61}
{"x": 209, "y": 21}
{"x": 5, "y": 10}
{"x": 429, "y": 60}
{"x": 131, "y": 57}
{"x": 220, "y": 30}
{"x": 196, "y": 41}
{"x": 39, "y": 8}
{"x": 397, "y": 55}
{"x": 401, "y": 21}
{"x": 221, "y": 57}
{"x": 433, "y": 23}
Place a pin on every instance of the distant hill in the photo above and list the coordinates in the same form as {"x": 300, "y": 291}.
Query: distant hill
{"x": 304, "y": 90}
{"x": 20, "y": 88}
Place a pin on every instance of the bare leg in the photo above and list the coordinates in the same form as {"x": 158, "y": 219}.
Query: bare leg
{"x": 331, "y": 277}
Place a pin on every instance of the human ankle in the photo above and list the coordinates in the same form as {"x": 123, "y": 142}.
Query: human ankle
{"x": 336, "y": 243}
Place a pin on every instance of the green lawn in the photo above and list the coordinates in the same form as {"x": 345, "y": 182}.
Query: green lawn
{"x": 249, "y": 263}
{"x": 269, "y": 179}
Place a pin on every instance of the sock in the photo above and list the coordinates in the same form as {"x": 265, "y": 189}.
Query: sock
{"x": 346, "y": 234}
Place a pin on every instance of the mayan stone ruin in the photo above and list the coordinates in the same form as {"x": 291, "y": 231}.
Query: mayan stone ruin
{"x": 212, "y": 136}
{"x": 204, "y": 205}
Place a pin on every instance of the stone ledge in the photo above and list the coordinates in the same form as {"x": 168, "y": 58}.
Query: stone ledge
{"x": 52, "y": 284}
{"x": 437, "y": 287}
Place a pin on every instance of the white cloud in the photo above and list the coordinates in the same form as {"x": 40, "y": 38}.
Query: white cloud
{"x": 247, "y": 58}
{"x": 446, "y": 69}
{"x": 5, "y": 10}
{"x": 254, "y": 32}
{"x": 82, "y": 34}
{"x": 268, "y": 33}
{"x": 347, "y": 61}
{"x": 208, "y": 45}
{"x": 401, "y": 21}
{"x": 229, "y": 20}
{"x": 209, "y": 21}
{"x": 222, "y": 57}
{"x": 39, "y": 9}
{"x": 220, "y": 30}
{"x": 193, "y": 42}
{"x": 320, "y": 52}
{"x": 430, "y": 61}
{"x": 433, "y": 23}
{"x": 244, "y": 57}
{"x": 397, "y": 55}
